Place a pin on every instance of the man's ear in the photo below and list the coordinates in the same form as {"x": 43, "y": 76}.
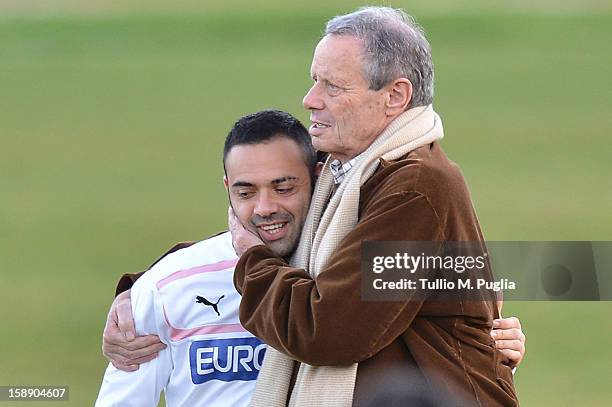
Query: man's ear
{"x": 225, "y": 184}
{"x": 399, "y": 96}
{"x": 319, "y": 168}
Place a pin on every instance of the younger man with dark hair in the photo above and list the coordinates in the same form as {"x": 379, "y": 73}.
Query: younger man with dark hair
{"x": 188, "y": 298}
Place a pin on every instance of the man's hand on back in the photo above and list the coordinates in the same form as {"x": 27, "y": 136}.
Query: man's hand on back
{"x": 509, "y": 339}
{"x": 120, "y": 345}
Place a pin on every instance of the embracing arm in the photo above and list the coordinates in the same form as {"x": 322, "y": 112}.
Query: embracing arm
{"x": 143, "y": 386}
{"x": 120, "y": 345}
{"x": 323, "y": 321}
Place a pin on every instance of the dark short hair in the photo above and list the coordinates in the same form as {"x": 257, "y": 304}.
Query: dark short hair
{"x": 266, "y": 125}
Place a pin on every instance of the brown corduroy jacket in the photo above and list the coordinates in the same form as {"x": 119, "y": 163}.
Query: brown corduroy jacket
{"x": 324, "y": 321}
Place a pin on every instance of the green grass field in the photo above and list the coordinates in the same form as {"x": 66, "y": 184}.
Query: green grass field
{"x": 112, "y": 123}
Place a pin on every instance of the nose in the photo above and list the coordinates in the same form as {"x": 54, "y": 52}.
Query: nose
{"x": 313, "y": 99}
{"x": 266, "y": 204}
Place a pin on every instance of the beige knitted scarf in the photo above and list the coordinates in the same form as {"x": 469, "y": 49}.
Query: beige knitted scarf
{"x": 325, "y": 226}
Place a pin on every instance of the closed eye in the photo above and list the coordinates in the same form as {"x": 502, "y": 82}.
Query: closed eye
{"x": 283, "y": 191}
{"x": 333, "y": 89}
{"x": 244, "y": 194}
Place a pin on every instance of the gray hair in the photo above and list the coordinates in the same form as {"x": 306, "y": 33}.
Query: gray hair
{"x": 394, "y": 47}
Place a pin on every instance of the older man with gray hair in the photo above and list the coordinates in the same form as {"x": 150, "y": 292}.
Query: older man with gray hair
{"x": 386, "y": 179}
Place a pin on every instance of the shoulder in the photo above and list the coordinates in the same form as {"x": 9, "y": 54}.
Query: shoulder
{"x": 163, "y": 298}
{"x": 215, "y": 250}
{"x": 426, "y": 171}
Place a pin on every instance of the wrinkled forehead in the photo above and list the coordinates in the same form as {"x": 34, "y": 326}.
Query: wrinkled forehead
{"x": 336, "y": 44}
{"x": 337, "y": 54}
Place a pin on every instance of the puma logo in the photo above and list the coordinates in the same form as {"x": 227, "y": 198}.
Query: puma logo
{"x": 204, "y": 301}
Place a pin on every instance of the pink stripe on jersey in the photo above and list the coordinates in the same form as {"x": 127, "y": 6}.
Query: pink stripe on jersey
{"x": 219, "y": 266}
{"x": 176, "y": 334}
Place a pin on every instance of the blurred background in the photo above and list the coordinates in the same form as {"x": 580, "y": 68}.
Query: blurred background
{"x": 113, "y": 115}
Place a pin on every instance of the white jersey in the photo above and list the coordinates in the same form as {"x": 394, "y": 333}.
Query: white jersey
{"x": 188, "y": 299}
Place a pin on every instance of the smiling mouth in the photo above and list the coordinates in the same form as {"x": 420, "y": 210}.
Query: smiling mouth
{"x": 273, "y": 229}
{"x": 318, "y": 125}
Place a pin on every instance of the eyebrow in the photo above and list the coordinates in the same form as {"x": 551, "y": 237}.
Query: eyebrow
{"x": 283, "y": 179}
{"x": 330, "y": 79}
{"x": 241, "y": 184}
{"x": 273, "y": 182}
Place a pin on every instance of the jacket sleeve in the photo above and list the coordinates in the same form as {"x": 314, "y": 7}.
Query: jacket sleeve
{"x": 142, "y": 387}
{"x": 127, "y": 280}
{"x": 324, "y": 321}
